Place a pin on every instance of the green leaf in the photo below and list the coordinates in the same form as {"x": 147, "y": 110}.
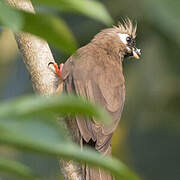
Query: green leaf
{"x": 16, "y": 168}
{"x": 66, "y": 150}
{"x": 27, "y": 124}
{"x": 10, "y": 17}
{"x": 52, "y": 29}
{"x": 60, "y": 105}
{"x": 90, "y": 8}
{"x": 41, "y": 127}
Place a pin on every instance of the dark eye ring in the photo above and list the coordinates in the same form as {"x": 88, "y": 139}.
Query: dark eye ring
{"x": 128, "y": 39}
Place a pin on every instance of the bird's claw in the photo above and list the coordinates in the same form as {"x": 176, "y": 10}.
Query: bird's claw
{"x": 58, "y": 69}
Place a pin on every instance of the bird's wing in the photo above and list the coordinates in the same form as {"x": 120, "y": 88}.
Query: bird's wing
{"x": 102, "y": 82}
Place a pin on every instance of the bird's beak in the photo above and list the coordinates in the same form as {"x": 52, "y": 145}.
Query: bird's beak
{"x": 136, "y": 53}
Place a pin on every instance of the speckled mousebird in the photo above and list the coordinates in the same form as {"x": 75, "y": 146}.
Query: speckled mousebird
{"x": 95, "y": 71}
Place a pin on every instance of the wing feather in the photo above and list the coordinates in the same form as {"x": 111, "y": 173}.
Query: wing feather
{"x": 102, "y": 82}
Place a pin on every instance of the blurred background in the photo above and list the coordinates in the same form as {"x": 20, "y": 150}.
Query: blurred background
{"x": 147, "y": 139}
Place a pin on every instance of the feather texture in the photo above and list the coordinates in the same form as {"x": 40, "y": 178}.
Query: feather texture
{"x": 127, "y": 27}
{"x": 95, "y": 72}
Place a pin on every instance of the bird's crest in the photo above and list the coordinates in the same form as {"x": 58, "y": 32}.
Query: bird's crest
{"x": 127, "y": 27}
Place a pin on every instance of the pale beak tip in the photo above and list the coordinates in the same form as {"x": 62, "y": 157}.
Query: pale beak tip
{"x": 137, "y": 53}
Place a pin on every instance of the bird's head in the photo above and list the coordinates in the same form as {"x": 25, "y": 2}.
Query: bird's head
{"x": 120, "y": 39}
{"x": 127, "y": 34}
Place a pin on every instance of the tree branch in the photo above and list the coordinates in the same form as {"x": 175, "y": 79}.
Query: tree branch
{"x": 36, "y": 56}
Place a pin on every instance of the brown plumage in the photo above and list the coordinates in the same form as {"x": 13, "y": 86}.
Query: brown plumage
{"x": 95, "y": 71}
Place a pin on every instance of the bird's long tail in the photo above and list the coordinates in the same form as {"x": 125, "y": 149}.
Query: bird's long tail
{"x": 96, "y": 174}
{"x": 90, "y": 173}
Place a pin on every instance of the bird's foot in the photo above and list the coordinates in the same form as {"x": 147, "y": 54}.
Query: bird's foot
{"x": 58, "y": 69}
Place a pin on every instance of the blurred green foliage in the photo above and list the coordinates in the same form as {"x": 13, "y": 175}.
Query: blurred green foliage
{"x": 49, "y": 27}
{"x": 10, "y": 17}
{"x": 147, "y": 139}
{"x": 28, "y": 123}
{"x": 16, "y": 168}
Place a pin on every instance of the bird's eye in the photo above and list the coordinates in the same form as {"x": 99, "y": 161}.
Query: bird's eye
{"x": 123, "y": 38}
{"x": 128, "y": 39}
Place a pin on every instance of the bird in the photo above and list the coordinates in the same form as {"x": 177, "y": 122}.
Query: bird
{"x": 95, "y": 72}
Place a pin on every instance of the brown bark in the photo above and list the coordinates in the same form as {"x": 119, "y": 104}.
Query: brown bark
{"x": 36, "y": 56}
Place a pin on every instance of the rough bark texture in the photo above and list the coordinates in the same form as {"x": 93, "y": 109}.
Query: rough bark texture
{"x": 36, "y": 56}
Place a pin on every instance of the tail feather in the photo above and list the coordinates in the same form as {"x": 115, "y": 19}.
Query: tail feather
{"x": 96, "y": 174}
{"x": 90, "y": 173}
